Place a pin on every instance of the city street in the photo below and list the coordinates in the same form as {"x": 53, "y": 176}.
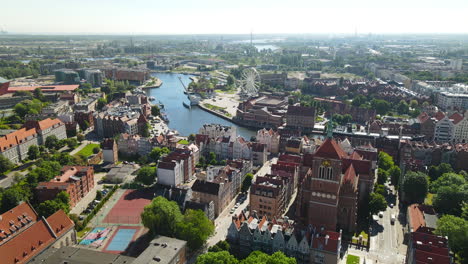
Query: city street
{"x": 224, "y": 220}
{"x": 386, "y": 239}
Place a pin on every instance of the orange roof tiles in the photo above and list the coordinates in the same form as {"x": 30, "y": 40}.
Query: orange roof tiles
{"x": 439, "y": 116}
{"x": 330, "y": 149}
{"x": 60, "y": 223}
{"x": 456, "y": 117}
{"x": 350, "y": 174}
{"x": 15, "y": 215}
{"x": 47, "y": 123}
{"x": 35, "y": 236}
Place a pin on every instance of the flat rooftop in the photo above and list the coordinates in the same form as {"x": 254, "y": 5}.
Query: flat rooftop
{"x": 162, "y": 250}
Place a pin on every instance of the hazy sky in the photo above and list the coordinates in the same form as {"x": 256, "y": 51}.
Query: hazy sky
{"x": 234, "y": 17}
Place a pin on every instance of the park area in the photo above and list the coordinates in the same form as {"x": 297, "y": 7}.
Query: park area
{"x": 87, "y": 150}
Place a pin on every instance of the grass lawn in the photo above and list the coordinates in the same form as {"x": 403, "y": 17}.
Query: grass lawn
{"x": 363, "y": 234}
{"x": 351, "y": 259}
{"x": 428, "y": 199}
{"x": 87, "y": 150}
{"x": 183, "y": 142}
{"x": 82, "y": 232}
{"x": 214, "y": 107}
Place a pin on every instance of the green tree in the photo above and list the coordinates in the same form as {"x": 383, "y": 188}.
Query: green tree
{"x": 258, "y": 257}
{"x": 377, "y": 203}
{"x": 11, "y": 197}
{"x": 465, "y": 211}
{"x": 39, "y": 95}
{"x": 146, "y": 175}
{"x": 449, "y": 200}
{"x": 222, "y": 245}
{"x": 382, "y": 176}
{"x": 145, "y": 132}
{"x": 385, "y": 161}
{"x": 98, "y": 195}
{"x": 216, "y": 258}
{"x": 72, "y": 143}
{"x": 96, "y": 150}
{"x": 380, "y": 189}
{"x": 402, "y": 107}
{"x": 49, "y": 207}
{"x": 247, "y": 182}
{"x": 161, "y": 216}
{"x": 80, "y": 137}
{"x": 456, "y": 229}
{"x": 230, "y": 80}
{"x": 381, "y": 106}
{"x": 447, "y": 180}
{"x": 395, "y": 174}
{"x": 5, "y": 164}
{"x": 101, "y": 103}
{"x": 157, "y": 152}
{"x": 415, "y": 186}
{"x": 155, "y": 111}
{"x": 195, "y": 228}
{"x": 359, "y": 100}
{"x": 413, "y": 104}
{"x": 51, "y": 142}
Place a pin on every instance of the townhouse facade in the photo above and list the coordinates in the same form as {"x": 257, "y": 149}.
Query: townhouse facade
{"x": 77, "y": 181}
{"x": 270, "y": 138}
{"x": 249, "y": 232}
{"x": 14, "y": 146}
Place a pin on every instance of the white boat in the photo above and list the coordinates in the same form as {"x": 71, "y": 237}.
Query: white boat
{"x": 151, "y": 98}
{"x": 194, "y": 99}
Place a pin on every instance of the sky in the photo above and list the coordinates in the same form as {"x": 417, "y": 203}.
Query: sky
{"x": 234, "y": 17}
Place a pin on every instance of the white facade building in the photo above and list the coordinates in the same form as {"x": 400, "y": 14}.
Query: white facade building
{"x": 270, "y": 138}
{"x": 170, "y": 173}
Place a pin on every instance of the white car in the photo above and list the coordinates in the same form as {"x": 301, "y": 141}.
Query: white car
{"x": 232, "y": 211}
{"x": 392, "y": 219}
{"x": 380, "y": 214}
{"x": 391, "y": 205}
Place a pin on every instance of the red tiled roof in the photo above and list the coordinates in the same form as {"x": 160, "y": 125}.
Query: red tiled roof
{"x": 439, "y": 116}
{"x": 416, "y": 213}
{"x": 331, "y": 244}
{"x": 59, "y": 222}
{"x": 330, "y": 149}
{"x": 30, "y": 242}
{"x": 15, "y": 138}
{"x": 350, "y": 174}
{"x": 15, "y": 216}
{"x": 423, "y": 117}
{"x": 456, "y": 117}
{"x": 47, "y": 123}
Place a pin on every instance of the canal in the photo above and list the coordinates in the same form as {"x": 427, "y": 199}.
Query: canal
{"x": 186, "y": 121}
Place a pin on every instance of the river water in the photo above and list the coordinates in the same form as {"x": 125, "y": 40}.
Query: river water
{"x": 186, "y": 121}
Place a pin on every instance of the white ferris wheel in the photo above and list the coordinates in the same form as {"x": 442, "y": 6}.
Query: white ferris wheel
{"x": 249, "y": 82}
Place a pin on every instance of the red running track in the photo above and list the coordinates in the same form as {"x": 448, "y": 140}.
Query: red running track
{"x": 129, "y": 207}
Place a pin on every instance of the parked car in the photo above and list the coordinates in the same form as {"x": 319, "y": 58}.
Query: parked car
{"x": 380, "y": 214}
{"x": 392, "y": 219}
{"x": 391, "y": 205}
{"x": 232, "y": 211}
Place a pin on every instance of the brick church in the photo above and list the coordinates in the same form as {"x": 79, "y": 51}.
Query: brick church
{"x": 335, "y": 182}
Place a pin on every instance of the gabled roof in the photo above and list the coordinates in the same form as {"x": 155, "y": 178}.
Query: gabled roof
{"x": 205, "y": 187}
{"x": 16, "y": 216}
{"x": 456, "y": 117}
{"x": 330, "y": 149}
{"x": 350, "y": 174}
{"x": 31, "y": 241}
{"x": 439, "y": 116}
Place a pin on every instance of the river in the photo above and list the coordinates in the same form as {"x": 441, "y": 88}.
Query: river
{"x": 186, "y": 121}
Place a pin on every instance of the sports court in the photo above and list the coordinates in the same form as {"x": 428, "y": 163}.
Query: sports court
{"x": 121, "y": 239}
{"x": 128, "y": 208}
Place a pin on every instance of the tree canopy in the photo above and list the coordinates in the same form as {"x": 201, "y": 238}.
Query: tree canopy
{"x": 247, "y": 182}
{"x": 161, "y": 216}
{"x": 385, "y": 161}
{"x": 146, "y": 175}
{"x": 456, "y": 229}
{"x": 195, "y": 228}
{"x": 415, "y": 186}
{"x": 256, "y": 257}
{"x": 377, "y": 203}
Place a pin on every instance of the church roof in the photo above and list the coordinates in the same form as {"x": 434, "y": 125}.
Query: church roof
{"x": 330, "y": 149}
{"x": 350, "y": 174}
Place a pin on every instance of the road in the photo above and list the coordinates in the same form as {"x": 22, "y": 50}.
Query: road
{"x": 224, "y": 220}
{"x": 386, "y": 239}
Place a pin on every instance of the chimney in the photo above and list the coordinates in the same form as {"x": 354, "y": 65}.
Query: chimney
{"x": 326, "y": 239}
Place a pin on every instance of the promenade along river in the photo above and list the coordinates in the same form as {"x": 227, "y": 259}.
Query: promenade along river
{"x": 186, "y": 121}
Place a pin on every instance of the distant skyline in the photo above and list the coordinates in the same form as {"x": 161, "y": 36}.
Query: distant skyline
{"x": 234, "y": 17}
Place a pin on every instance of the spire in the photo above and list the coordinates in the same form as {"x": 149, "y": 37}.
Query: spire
{"x": 330, "y": 127}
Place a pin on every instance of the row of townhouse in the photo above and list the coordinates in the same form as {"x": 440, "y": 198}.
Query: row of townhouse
{"x": 221, "y": 185}
{"x": 248, "y": 233}
{"x": 227, "y": 147}
{"x": 178, "y": 166}
{"x": 14, "y": 146}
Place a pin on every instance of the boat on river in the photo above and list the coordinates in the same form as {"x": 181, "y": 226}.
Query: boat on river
{"x": 186, "y": 105}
